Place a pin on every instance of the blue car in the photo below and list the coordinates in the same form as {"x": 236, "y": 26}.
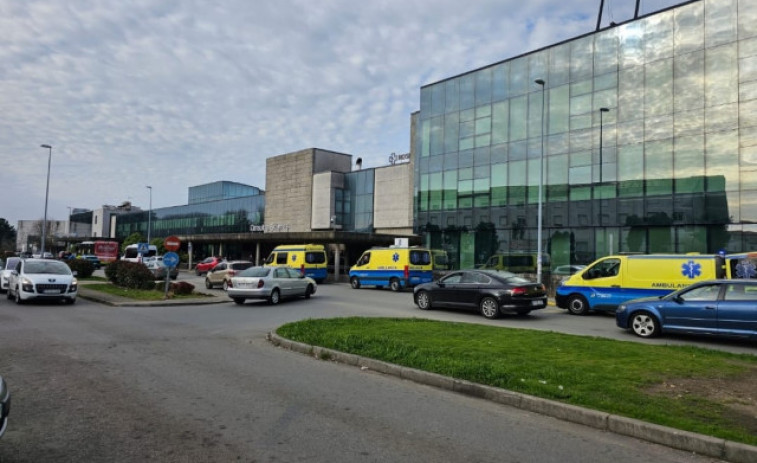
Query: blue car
{"x": 714, "y": 307}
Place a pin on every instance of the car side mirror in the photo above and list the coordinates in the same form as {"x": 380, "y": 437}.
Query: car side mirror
{"x": 75, "y": 273}
{"x": 440, "y": 284}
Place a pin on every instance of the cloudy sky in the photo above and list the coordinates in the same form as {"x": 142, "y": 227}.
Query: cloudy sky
{"x": 176, "y": 94}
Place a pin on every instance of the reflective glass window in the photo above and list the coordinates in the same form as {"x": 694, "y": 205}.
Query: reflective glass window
{"x": 500, "y": 82}
{"x": 720, "y": 22}
{"x": 518, "y": 118}
{"x": 689, "y": 28}
{"x": 721, "y": 75}
{"x": 500, "y": 122}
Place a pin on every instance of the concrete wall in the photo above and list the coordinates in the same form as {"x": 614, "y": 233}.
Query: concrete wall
{"x": 288, "y": 186}
{"x": 392, "y": 209}
{"x": 331, "y": 161}
{"x": 324, "y": 184}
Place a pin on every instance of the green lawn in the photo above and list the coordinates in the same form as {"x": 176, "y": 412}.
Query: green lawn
{"x": 688, "y": 388}
{"x": 137, "y": 294}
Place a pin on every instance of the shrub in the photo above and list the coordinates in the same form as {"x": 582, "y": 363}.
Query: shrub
{"x": 182, "y": 287}
{"x": 82, "y": 267}
{"x": 111, "y": 270}
{"x": 134, "y": 275}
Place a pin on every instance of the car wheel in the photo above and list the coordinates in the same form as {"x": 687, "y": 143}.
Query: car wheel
{"x": 8, "y": 294}
{"x": 239, "y": 300}
{"x": 394, "y": 284}
{"x": 308, "y": 291}
{"x": 225, "y": 285}
{"x": 70, "y": 301}
{"x": 577, "y": 305}
{"x": 423, "y": 300}
{"x": 19, "y": 301}
{"x": 173, "y": 277}
{"x": 355, "y": 283}
{"x": 208, "y": 285}
{"x": 489, "y": 307}
{"x": 275, "y": 297}
{"x": 645, "y": 325}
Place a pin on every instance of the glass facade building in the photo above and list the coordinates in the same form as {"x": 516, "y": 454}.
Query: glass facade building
{"x": 646, "y": 131}
{"x": 231, "y": 215}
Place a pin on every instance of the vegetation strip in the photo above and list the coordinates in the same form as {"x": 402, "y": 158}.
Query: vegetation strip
{"x": 688, "y": 388}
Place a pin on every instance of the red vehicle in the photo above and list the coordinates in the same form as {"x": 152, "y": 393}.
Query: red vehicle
{"x": 207, "y": 265}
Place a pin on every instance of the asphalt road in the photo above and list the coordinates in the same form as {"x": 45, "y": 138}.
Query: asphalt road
{"x": 200, "y": 383}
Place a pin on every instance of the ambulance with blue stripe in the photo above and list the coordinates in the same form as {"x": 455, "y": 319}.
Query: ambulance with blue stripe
{"x": 309, "y": 259}
{"x": 612, "y": 280}
{"x": 395, "y": 267}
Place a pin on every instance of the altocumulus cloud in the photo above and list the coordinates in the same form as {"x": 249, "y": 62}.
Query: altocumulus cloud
{"x": 175, "y": 94}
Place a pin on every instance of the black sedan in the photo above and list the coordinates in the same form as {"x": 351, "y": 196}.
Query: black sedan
{"x": 490, "y": 292}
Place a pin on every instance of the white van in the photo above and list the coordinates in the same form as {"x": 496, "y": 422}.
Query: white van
{"x": 131, "y": 254}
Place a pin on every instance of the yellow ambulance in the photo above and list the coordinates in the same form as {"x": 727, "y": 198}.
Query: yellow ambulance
{"x": 394, "y": 267}
{"x": 612, "y": 280}
{"x": 310, "y": 259}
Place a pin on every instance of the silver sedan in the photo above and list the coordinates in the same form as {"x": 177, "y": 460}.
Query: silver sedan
{"x": 270, "y": 283}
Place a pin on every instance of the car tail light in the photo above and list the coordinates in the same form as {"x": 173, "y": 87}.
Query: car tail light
{"x": 231, "y": 273}
{"x": 261, "y": 283}
{"x": 519, "y": 291}
{"x": 230, "y": 284}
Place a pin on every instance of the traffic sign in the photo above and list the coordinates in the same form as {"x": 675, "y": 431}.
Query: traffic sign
{"x": 172, "y": 243}
{"x": 143, "y": 248}
{"x": 171, "y": 259}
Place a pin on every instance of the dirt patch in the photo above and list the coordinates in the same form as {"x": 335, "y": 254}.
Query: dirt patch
{"x": 737, "y": 394}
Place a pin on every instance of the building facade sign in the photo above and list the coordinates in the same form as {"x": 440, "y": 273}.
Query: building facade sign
{"x": 270, "y": 228}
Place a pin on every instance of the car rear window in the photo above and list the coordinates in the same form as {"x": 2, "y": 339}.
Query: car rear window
{"x": 241, "y": 265}
{"x": 256, "y": 272}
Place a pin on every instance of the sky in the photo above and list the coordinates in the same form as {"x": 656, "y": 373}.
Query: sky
{"x": 177, "y": 94}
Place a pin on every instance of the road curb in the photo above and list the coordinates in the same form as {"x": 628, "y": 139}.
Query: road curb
{"x": 116, "y": 301}
{"x": 682, "y": 440}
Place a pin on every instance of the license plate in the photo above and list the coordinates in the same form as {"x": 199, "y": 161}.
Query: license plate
{"x": 535, "y": 302}
{"x": 51, "y": 291}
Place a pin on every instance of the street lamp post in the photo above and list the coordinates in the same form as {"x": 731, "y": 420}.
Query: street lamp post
{"x": 539, "y": 258}
{"x": 149, "y": 216}
{"x": 47, "y": 192}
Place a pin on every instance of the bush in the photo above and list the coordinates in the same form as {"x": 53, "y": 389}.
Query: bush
{"x": 130, "y": 275}
{"x": 82, "y": 267}
{"x": 178, "y": 288}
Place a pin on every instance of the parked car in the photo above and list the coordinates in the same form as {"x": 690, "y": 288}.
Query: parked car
{"x": 567, "y": 269}
{"x": 44, "y": 279}
{"x": 5, "y": 405}
{"x": 5, "y": 272}
{"x": 713, "y": 307}
{"x": 224, "y": 271}
{"x": 92, "y": 258}
{"x": 207, "y": 265}
{"x": 159, "y": 269}
{"x": 490, "y": 292}
{"x": 271, "y": 283}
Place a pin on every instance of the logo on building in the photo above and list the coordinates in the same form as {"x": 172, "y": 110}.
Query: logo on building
{"x": 272, "y": 228}
{"x": 395, "y": 158}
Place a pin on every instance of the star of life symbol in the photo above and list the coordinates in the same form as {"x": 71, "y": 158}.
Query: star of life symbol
{"x": 691, "y": 269}
{"x": 294, "y": 257}
{"x": 746, "y": 269}
{"x": 395, "y": 257}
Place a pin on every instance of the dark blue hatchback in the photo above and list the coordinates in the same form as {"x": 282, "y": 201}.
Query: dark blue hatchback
{"x": 715, "y": 307}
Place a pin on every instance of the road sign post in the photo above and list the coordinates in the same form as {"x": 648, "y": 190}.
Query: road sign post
{"x": 170, "y": 260}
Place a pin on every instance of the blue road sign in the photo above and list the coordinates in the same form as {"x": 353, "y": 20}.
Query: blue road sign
{"x": 143, "y": 248}
{"x": 171, "y": 259}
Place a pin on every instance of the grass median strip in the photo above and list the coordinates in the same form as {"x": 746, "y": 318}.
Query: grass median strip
{"x": 138, "y": 294}
{"x": 688, "y": 388}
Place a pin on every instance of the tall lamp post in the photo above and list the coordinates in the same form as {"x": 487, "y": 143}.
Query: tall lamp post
{"x": 601, "y": 169}
{"x": 149, "y": 217}
{"x": 47, "y": 192}
{"x": 539, "y": 256}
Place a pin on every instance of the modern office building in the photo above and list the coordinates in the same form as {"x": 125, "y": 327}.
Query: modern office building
{"x": 641, "y": 136}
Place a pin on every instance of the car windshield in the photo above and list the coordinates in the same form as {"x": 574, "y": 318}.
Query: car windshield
{"x": 11, "y": 263}
{"x": 52, "y": 267}
{"x": 255, "y": 272}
